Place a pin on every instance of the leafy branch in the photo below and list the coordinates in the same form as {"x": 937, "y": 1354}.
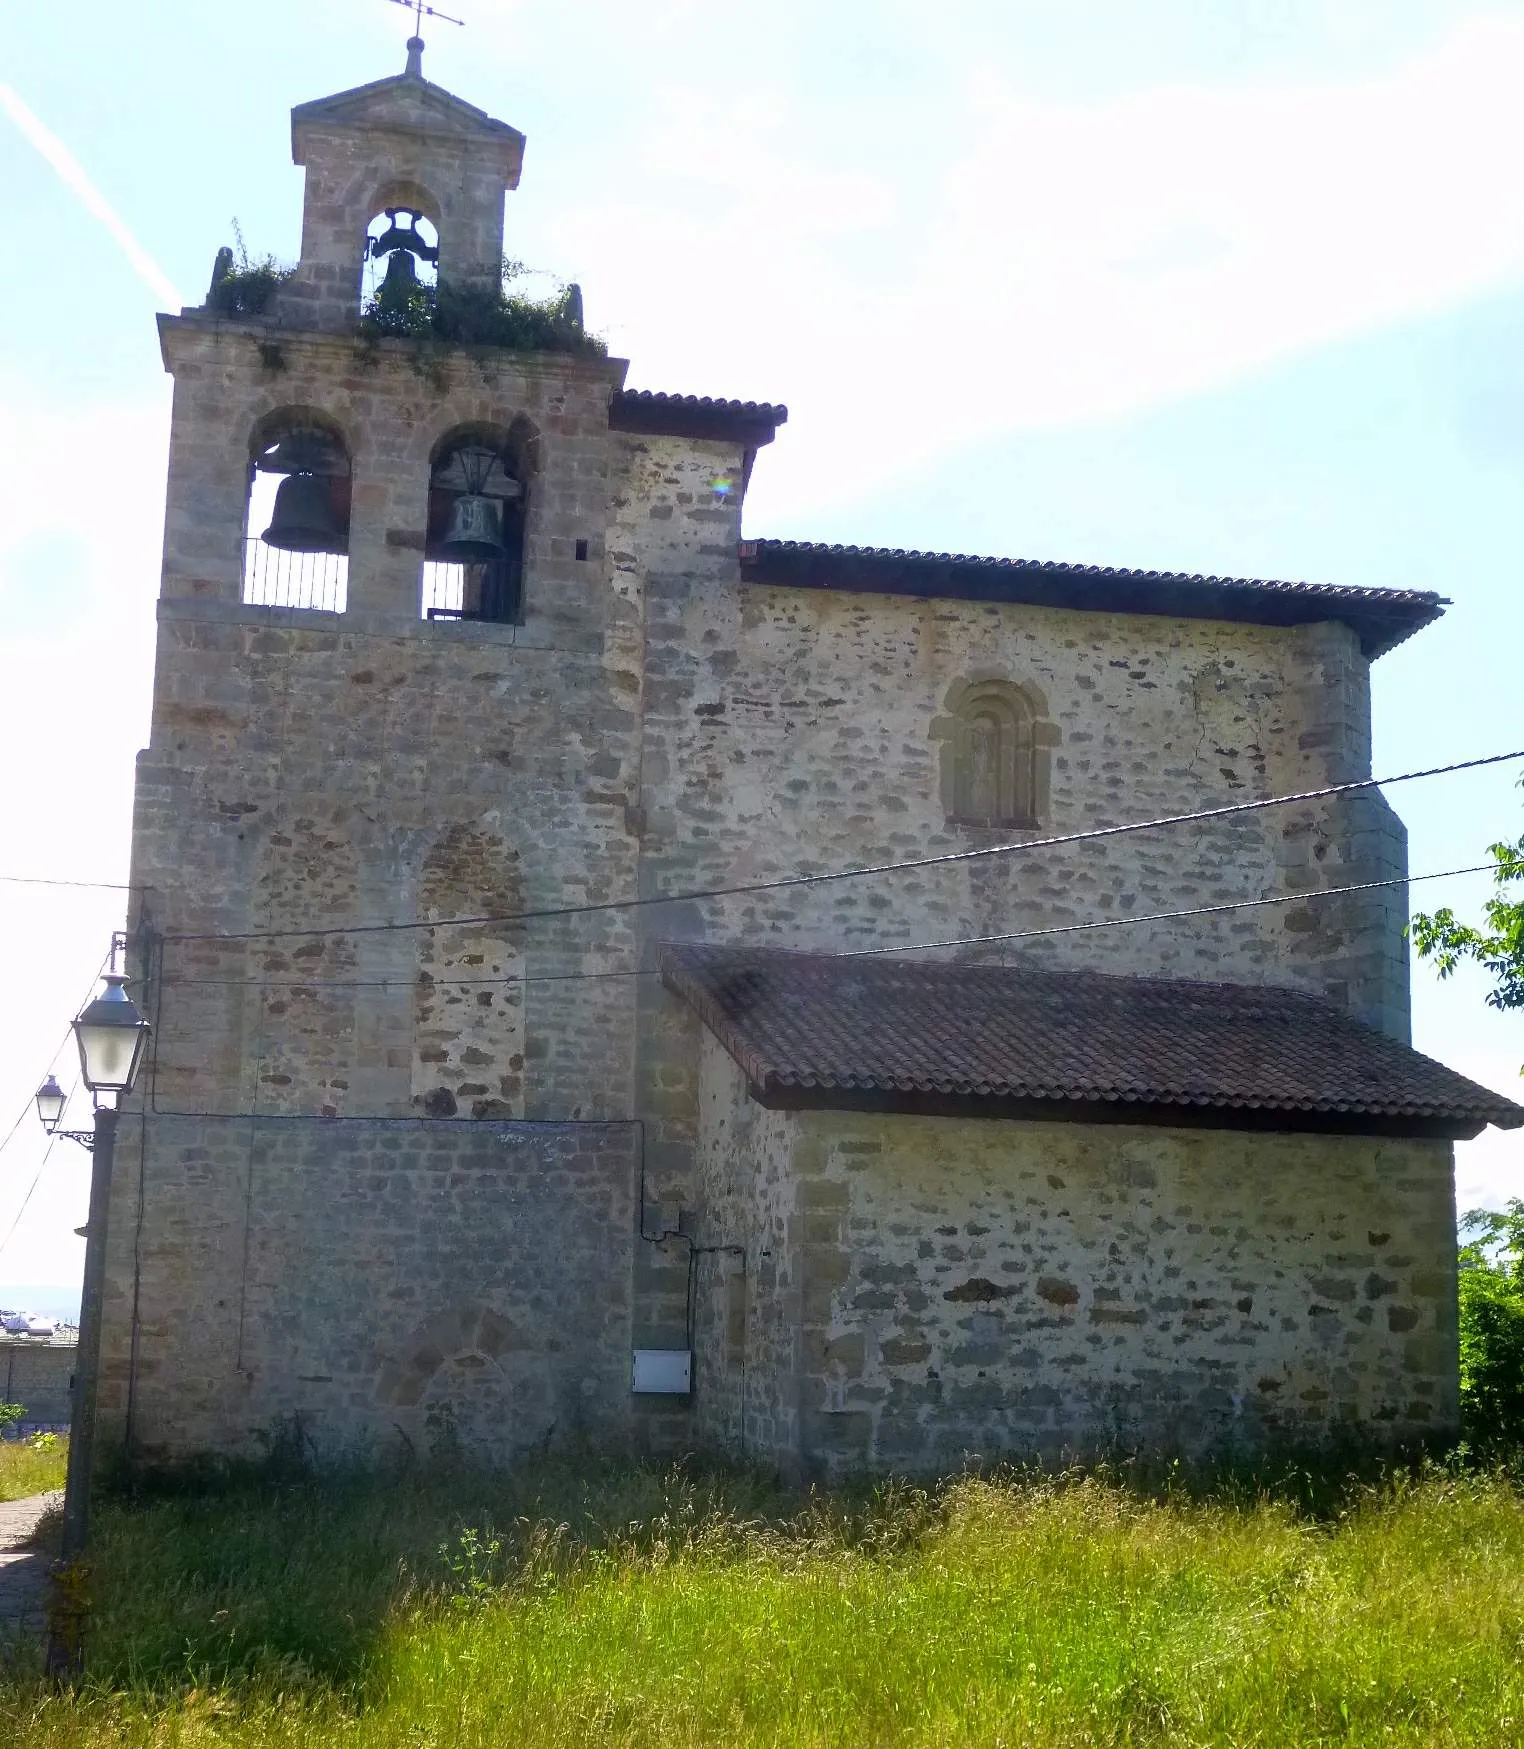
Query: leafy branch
{"x": 1498, "y": 946}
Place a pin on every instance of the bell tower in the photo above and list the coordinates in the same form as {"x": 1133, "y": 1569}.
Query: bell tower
{"x": 389, "y": 822}
{"x": 399, "y": 144}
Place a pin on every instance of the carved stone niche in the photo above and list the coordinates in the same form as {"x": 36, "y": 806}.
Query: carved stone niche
{"x": 996, "y": 753}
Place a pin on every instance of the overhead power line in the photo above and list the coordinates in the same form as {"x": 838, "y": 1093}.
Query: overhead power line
{"x": 175, "y": 981}
{"x": 784, "y": 882}
{"x": 49, "y": 881}
{"x": 1442, "y": 874}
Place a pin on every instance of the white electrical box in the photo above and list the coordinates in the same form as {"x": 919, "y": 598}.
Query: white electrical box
{"x": 662, "y": 1371}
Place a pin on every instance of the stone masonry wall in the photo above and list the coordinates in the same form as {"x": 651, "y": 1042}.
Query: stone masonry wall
{"x": 309, "y": 769}
{"x": 953, "y": 1287}
{"x": 415, "y": 1280}
{"x": 792, "y": 730}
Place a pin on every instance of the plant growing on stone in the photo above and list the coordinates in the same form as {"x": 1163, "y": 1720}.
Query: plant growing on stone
{"x": 243, "y": 285}
{"x": 473, "y": 316}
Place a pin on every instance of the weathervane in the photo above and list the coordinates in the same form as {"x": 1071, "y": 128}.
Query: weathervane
{"x": 415, "y": 42}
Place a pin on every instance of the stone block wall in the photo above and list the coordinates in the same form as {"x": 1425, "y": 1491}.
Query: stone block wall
{"x": 922, "y": 1290}
{"x": 375, "y": 1282}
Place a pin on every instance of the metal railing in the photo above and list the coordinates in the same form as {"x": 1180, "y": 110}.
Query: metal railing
{"x": 273, "y": 577}
{"x": 483, "y": 592}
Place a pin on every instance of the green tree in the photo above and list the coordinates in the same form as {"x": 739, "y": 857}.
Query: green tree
{"x": 1498, "y": 946}
{"x": 1492, "y": 1329}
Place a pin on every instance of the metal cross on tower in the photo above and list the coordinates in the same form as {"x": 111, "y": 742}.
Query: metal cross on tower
{"x": 415, "y": 43}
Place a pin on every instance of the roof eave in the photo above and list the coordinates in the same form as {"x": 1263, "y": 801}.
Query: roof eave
{"x": 1380, "y": 619}
{"x": 774, "y": 1095}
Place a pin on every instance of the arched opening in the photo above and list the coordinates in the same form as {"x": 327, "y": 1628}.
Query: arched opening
{"x": 401, "y": 268}
{"x": 296, "y": 523}
{"x": 478, "y": 504}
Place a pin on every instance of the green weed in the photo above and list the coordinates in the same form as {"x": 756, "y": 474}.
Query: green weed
{"x": 630, "y": 1606}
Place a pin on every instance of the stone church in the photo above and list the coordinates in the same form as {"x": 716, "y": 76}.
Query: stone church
{"x": 617, "y": 979}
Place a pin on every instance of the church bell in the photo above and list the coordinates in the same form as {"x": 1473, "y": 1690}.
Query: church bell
{"x": 303, "y": 520}
{"x": 401, "y": 278}
{"x": 475, "y": 532}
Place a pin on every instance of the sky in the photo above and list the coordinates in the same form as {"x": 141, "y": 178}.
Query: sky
{"x": 1160, "y": 283}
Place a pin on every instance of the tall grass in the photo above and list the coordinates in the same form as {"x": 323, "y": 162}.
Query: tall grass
{"x": 32, "y": 1466}
{"x": 636, "y": 1608}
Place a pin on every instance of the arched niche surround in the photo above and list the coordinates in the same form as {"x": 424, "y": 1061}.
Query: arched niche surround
{"x": 996, "y": 753}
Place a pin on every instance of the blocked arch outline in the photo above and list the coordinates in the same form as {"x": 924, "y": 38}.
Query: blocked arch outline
{"x": 1024, "y": 756}
{"x": 470, "y": 1328}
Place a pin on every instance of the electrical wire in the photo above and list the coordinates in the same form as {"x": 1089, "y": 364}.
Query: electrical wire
{"x": 42, "y": 1166}
{"x": 782, "y": 883}
{"x": 173, "y": 981}
{"x": 1443, "y": 874}
{"x": 48, "y": 881}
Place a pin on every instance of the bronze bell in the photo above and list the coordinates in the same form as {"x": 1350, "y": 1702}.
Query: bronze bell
{"x": 400, "y": 280}
{"x": 475, "y": 532}
{"x": 303, "y": 520}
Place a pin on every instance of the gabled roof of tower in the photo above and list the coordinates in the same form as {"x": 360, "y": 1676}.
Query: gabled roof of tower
{"x": 409, "y": 103}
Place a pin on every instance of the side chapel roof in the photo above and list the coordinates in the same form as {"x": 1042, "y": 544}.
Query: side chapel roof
{"x": 849, "y": 1033}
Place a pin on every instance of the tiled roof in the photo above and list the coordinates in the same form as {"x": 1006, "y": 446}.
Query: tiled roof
{"x": 662, "y": 415}
{"x": 1381, "y": 617}
{"x": 841, "y": 1032}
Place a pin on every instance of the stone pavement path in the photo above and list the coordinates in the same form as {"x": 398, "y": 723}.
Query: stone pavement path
{"x": 23, "y": 1570}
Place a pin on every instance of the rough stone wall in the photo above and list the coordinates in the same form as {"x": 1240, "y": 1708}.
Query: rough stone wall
{"x": 958, "y": 1287}
{"x": 377, "y": 1280}
{"x": 797, "y": 730}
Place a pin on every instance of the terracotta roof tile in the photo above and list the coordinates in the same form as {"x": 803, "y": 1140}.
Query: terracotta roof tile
{"x": 663, "y": 415}
{"x": 1381, "y": 617}
{"x": 837, "y": 1031}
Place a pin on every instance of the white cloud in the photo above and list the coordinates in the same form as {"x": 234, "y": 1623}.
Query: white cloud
{"x": 1046, "y": 264}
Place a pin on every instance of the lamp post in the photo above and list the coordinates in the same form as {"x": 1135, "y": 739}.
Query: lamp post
{"x": 111, "y": 1035}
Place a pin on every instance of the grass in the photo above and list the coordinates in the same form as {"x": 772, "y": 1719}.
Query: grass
{"x": 30, "y": 1466}
{"x": 631, "y": 1607}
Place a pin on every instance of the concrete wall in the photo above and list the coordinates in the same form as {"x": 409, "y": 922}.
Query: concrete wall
{"x": 925, "y": 1289}
{"x": 380, "y": 1281}
{"x": 39, "y": 1376}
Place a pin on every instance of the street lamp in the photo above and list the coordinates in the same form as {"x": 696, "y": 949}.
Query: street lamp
{"x": 51, "y": 1100}
{"x": 111, "y": 1035}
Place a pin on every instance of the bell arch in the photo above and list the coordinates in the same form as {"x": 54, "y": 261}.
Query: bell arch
{"x": 479, "y": 484}
{"x": 297, "y": 512}
{"x": 400, "y": 262}
{"x": 996, "y": 761}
